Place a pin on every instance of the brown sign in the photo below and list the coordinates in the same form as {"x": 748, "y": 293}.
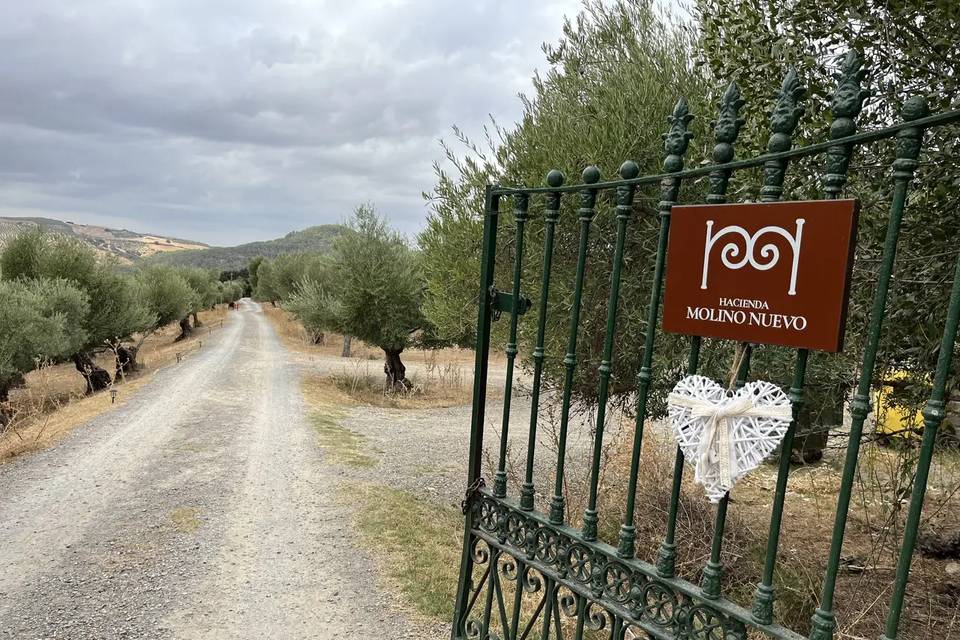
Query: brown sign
{"x": 770, "y": 273}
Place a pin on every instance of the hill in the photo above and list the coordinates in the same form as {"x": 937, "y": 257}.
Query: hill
{"x": 130, "y": 247}
{"x": 310, "y": 240}
{"x": 127, "y": 246}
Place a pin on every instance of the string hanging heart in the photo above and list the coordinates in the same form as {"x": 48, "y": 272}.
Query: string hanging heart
{"x": 726, "y": 437}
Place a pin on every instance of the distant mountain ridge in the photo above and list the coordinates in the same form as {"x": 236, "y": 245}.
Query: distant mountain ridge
{"x": 130, "y": 247}
{"x": 127, "y": 246}
{"x": 310, "y": 240}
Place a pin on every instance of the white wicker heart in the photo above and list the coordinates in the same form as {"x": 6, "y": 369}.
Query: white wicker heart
{"x": 726, "y": 437}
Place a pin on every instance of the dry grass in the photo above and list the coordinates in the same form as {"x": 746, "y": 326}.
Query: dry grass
{"x": 296, "y": 338}
{"x": 53, "y": 402}
{"x": 417, "y": 541}
{"x": 39, "y": 429}
{"x": 873, "y": 534}
{"x": 341, "y": 445}
{"x": 745, "y": 533}
{"x": 321, "y": 395}
{"x": 439, "y": 378}
{"x": 185, "y": 519}
{"x": 437, "y": 386}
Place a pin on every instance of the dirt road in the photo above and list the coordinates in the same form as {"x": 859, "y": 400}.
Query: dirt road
{"x": 202, "y": 508}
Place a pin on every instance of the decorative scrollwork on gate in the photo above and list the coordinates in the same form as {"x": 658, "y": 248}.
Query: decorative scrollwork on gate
{"x": 586, "y": 582}
{"x": 658, "y": 604}
{"x": 617, "y": 582}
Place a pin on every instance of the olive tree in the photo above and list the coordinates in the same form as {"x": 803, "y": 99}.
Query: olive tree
{"x": 121, "y": 313}
{"x": 167, "y": 295}
{"x": 610, "y": 83}
{"x": 204, "y": 285}
{"x": 230, "y": 291}
{"x": 373, "y": 292}
{"x": 316, "y": 307}
{"x": 907, "y": 49}
{"x": 115, "y": 311}
{"x": 253, "y": 269}
{"x": 277, "y": 279}
{"x": 40, "y": 319}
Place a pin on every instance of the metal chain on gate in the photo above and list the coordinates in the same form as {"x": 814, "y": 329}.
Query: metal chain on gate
{"x": 470, "y": 493}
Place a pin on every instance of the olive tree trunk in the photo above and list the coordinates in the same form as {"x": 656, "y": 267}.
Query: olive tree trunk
{"x": 185, "y": 329}
{"x": 346, "y": 347}
{"x": 97, "y": 377}
{"x": 126, "y": 360}
{"x": 196, "y": 320}
{"x": 395, "y": 371}
{"x": 7, "y": 413}
{"x": 4, "y": 406}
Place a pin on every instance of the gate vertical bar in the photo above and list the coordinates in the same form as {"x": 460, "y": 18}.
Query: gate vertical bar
{"x": 628, "y": 171}
{"x": 520, "y": 203}
{"x": 726, "y": 130}
{"x": 846, "y": 105}
{"x": 783, "y": 122}
{"x": 588, "y": 200}
{"x": 551, "y": 216}
{"x": 713, "y": 571}
{"x": 933, "y": 415}
{"x": 908, "y": 151}
{"x": 667, "y": 554}
{"x": 676, "y": 141}
{"x": 763, "y": 597}
{"x": 491, "y": 211}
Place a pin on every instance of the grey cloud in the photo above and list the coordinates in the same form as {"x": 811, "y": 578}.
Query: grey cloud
{"x": 227, "y": 121}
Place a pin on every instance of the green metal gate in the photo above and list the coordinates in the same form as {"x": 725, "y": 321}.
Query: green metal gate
{"x": 526, "y": 573}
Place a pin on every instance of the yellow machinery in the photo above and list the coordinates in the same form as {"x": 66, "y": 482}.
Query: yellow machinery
{"x": 893, "y": 419}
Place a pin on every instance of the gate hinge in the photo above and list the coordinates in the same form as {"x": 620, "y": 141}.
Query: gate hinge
{"x": 501, "y": 301}
{"x": 471, "y": 493}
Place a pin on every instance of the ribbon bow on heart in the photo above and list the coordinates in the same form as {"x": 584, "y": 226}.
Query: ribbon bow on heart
{"x": 727, "y": 437}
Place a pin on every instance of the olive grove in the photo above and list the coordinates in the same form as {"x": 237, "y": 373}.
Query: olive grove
{"x": 62, "y": 301}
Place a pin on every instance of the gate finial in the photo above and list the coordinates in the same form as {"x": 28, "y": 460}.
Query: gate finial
{"x": 677, "y": 138}
{"x": 845, "y": 105}
{"x": 555, "y": 178}
{"x": 908, "y": 140}
{"x": 726, "y": 128}
{"x": 783, "y": 122}
{"x": 628, "y": 171}
{"x": 675, "y": 143}
{"x": 588, "y": 196}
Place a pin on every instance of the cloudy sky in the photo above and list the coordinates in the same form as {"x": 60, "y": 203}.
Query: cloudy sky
{"x": 227, "y": 121}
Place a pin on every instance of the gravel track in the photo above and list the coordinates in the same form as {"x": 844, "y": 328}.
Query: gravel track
{"x": 201, "y": 508}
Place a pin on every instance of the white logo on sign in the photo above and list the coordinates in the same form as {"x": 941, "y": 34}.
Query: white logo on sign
{"x": 735, "y": 257}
